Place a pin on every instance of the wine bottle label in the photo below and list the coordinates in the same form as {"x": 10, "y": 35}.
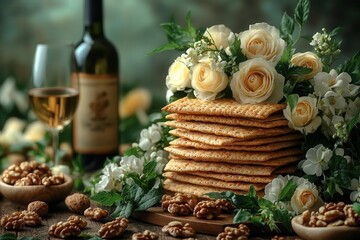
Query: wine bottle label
{"x": 96, "y": 119}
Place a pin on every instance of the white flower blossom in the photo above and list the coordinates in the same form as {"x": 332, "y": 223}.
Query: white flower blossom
{"x": 111, "y": 178}
{"x": 355, "y": 186}
{"x": 317, "y": 159}
{"x": 149, "y": 137}
{"x": 332, "y": 103}
{"x": 132, "y": 164}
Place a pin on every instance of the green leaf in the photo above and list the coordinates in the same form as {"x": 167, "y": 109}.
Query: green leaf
{"x": 265, "y": 203}
{"x": 133, "y": 151}
{"x": 242, "y": 216}
{"x": 284, "y": 217}
{"x": 353, "y": 121}
{"x": 292, "y": 100}
{"x": 107, "y": 198}
{"x": 124, "y": 210}
{"x": 151, "y": 198}
{"x": 252, "y": 192}
{"x": 288, "y": 191}
{"x": 287, "y": 28}
{"x": 221, "y": 195}
{"x": 302, "y": 11}
{"x": 245, "y": 202}
{"x": 356, "y": 207}
{"x": 8, "y": 236}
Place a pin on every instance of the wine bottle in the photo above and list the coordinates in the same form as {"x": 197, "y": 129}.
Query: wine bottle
{"x": 95, "y": 125}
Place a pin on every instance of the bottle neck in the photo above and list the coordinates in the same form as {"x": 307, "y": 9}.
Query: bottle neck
{"x": 93, "y": 18}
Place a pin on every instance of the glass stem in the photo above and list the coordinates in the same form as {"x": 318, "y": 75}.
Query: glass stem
{"x": 55, "y": 144}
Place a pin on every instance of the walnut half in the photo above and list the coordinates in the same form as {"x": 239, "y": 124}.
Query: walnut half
{"x": 179, "y": 204}
{"x": 96, "y": 214}
{"x": 207, "y": 210}
{"x": 13, "y": 221}
{"x": 146, "y": 235}
{"x": 178, "y": 229}
{"x": 241, "y": 233}
{"x": 64, "y": 230}
{"x": 114, "y": 228}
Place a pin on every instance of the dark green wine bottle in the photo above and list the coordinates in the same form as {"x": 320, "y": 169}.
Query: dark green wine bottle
{"x": 95, "y": 125}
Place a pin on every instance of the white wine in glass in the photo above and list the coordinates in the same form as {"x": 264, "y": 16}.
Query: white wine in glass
{"x": 53, "y": 94}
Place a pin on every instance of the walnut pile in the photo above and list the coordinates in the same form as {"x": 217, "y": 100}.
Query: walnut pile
{"x": 178, "y": 229}
{"x": 13, "y": 221}
{"x": 71, "y": 228}
{"x": 207, "y": 210}
{"x": 114, "y": 228}
{"x": 146, "y": 235}
{"x": 40, "y": 207}
{"x": 179, "y": 204}
{"x": 31, "y": 173}
{"x": 77, "y": 202}
{"x": 96, "y": 214}
{"x": 331, "y": 215}
{"x": 240, "y": 233}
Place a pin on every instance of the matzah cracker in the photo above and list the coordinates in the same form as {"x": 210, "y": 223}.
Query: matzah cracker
{"x": 287, "y": 169}
{"x": 197, "y": 190}
{"x": 222, "y": 140}
{"x": 276, "y": 162}
{"x": 278, "y": 120}
{"x": 223, "y": 107}
{"x": 230, "y": 156}
{"x": 175, "y": 165}
{"x": 211, "y": 182}
{"x": 235, "y": 177}
{"x": 182, "y": 142}
{"x": 230, "y": 131}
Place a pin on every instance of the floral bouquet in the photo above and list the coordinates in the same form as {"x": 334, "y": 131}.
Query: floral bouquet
{"x": 260, "y": 64}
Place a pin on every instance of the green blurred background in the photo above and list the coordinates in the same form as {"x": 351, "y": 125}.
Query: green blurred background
{"x": 134, "y": 27}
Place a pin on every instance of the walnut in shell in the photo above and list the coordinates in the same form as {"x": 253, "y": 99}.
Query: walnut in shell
{"x": 64, "y": 230}
{"x": 114, "y": 228}
{"x": 77, "y": 202}
{"x": 40, "y": 207}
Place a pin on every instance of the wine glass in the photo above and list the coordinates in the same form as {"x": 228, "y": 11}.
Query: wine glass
{"x": 54, "y": 94}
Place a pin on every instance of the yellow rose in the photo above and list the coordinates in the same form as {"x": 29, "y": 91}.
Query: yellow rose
{"x": 221, "y": 35}
{"x": 207, "y": 81}
{"x": 305, "y": 198}
{"x": 309, "y": 60}
{"x": 257, "y": 81}
{"x": 178, "y": 77}
{"x": 136, "y": 101}
{"x": 304, "y": 115}
{"x": 262, "y": 40}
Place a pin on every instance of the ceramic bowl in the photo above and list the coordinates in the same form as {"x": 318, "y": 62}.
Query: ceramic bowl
{"x": 23, "y": 195}
{"x": 325, "y": 233}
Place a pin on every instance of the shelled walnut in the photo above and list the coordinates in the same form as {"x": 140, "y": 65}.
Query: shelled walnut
{"x": 178, "y": 229}
{"x": 12, "y": 174}
{"x": 31, "y": 218}
{"x": 114, "y": 228}
{"x": 29, "y": 179}
{"x": 40, "y": 207}
{"x": 96, "y": 214}
{"x": 241, "y": 233}
{"x": 77, "y": 202}
{"x": 330, "y": 215}
{"x": 53, "y": 180}
{"x": 64, "y": 230}
{"x": 13, "y": 221}
{"x": 146, "y": 235}
{"x": 77, "y": 221}
{"x": 225, "y": 205}
{"x": 207, "y": 210}
{"x": 179, "y": 204}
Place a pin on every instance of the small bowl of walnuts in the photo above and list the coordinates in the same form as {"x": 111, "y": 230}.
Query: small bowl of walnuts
{"x": 33, "y": 181}
{"x": 331, "y": 222}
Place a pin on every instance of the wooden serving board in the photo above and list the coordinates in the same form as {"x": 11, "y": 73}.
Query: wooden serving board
{"x": 157, "y": 216}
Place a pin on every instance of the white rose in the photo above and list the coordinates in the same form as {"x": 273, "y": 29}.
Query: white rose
{"x": 178, "y": 77}
{"x": 305, "y": 198}
{"x": 221, "y": 35}
{"x": 262, "y": 40}
{"x": 207, "y": 80}
{"x": 309, "y": 60}
{"x": 257, "y": 81}
{"x": 304, "y": 116}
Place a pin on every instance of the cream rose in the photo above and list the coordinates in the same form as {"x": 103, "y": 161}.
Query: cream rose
{"x": 305, "y": 198}
{"x": 309, "y": 60}
{"x": 257, "y": 81}
{"x": 178, "y": 77}
{"x": 262, "y": 40}
{"x": 304, "y": 116}
{"x": 221, "y": 35}
{"x": 207, "y": 81}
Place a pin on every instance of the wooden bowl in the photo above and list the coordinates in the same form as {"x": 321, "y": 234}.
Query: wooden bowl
{"x": 325, "y": 233}
{"x": 23, "y": 195}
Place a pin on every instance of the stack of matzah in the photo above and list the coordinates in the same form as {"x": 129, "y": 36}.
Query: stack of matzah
{"x": 226, "y": 146}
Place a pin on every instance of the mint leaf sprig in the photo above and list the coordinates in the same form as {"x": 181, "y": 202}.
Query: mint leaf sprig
{"x": 260, "y": 211}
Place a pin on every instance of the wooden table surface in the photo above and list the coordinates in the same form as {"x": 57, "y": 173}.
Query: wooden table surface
{"x": 61, "y": 213}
